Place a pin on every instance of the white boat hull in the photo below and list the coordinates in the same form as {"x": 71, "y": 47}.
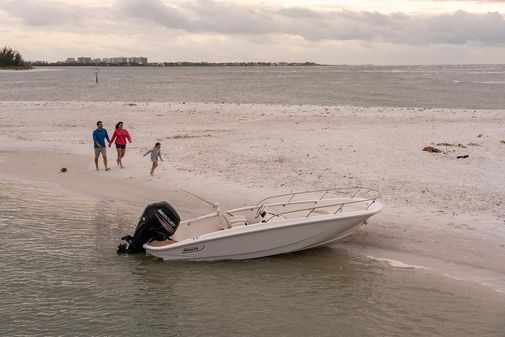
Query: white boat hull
{"x": 264, "y": 239}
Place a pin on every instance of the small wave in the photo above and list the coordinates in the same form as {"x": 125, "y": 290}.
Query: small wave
{"x": 494, "y": 287}
{"x": 490, "y": 82}
{"x": 45, "y": 69}
{"x": 396, "y": 263}
{"x": 485, "y": 72}
{"x": 453, "y": 277}
{"x": 479, "y": 82}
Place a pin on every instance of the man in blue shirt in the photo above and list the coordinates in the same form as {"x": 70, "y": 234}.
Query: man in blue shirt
{"x": 99, "y": 137}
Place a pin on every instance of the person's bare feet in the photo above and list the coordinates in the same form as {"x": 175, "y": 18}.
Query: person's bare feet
{"x": 107, "y": 169}
{"x": 97, "y": 169}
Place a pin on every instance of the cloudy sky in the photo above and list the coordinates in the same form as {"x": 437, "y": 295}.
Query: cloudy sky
{"x": 323, "y": 31}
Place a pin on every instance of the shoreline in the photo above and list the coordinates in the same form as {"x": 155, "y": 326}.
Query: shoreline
{"x": 440, "y": 213}
{"x": 16, "y": 68}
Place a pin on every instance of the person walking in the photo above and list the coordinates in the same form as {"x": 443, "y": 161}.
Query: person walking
{"x": 99, "y": 136}
{"x": 120, "y": 136}
{"x": 155, "y": 154}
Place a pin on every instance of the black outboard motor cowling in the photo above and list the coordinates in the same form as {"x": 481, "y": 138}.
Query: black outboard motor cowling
{"x": 158, "y": 222}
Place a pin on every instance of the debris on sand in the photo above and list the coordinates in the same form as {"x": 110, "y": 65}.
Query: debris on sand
{"x": 462, "y": 157}
{"x": 452, "y": 144}
{"x": 431, "y": 149}
{"x": 63, "y": 170}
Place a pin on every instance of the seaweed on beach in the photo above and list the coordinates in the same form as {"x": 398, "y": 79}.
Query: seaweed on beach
{"x": 452, "y": 144}
{"x": 186, "y": 136}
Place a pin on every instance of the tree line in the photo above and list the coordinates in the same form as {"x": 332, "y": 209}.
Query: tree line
{"x": 10, "y": 58}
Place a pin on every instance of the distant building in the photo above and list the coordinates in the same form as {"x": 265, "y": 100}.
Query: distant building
{"x": 112, "y": 60}
{"x": 117, "y": 60}
{"x": 137, "y": 60}
{"x": 84, "y": 60}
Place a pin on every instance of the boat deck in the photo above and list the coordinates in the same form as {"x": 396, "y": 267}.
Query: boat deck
{"x": 161, "y": 243}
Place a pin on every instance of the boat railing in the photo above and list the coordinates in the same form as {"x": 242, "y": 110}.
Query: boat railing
{"x": 274, "y": 213}
{"x": 350, "y": 192}
{"x": 355, "y": 195}
{"x": 270, "y": 204}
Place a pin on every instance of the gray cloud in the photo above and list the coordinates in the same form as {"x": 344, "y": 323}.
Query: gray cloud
{"x": 208, "y": 16}
{"x": 36, "y": 13}
{"x": 201, "y": 16}
{"x": 212, "y": 17}
{"x": 153, "y": 11}
{"x": 461, "y": 27}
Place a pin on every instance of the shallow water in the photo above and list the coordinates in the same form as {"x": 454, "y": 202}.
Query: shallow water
{"x": 440, "y": 86}
{"x": 61, "y": 276}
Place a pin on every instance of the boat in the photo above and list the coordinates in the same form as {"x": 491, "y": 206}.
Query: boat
{"x": 276, "y": 225}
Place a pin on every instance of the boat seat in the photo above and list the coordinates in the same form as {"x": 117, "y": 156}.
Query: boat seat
{"x": 237, "y": 220}
{"x": 227, "y": 221}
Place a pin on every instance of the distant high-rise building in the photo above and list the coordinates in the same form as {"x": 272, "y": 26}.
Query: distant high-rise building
{"x": 137, "y": 60}
{"x": 112, "y": 60}
{"x": 84, "y": 60}
{"x": 116, "y": 60}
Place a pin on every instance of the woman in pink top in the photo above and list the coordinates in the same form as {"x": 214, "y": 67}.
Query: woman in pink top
{"x": 120, "y": 136}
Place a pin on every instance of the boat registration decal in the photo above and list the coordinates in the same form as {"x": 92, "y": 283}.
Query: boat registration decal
{"x": 193, "y": 249}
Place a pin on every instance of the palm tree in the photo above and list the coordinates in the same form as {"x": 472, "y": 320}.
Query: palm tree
{"x": 10, "y": 57}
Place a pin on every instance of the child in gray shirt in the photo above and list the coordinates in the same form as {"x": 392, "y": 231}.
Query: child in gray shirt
{"x": 155, "y": 154}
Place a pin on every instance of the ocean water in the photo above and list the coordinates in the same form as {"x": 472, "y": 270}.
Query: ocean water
{"x": 60, "y": 276}
{"x": 454, "y": 86}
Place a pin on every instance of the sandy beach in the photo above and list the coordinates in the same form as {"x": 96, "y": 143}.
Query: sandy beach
{"x": 441, "y": 213}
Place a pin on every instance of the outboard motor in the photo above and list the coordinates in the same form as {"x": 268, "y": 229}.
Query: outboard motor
{"x": 158, "y": 222}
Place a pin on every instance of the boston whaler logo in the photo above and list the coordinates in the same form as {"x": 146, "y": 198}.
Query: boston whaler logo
{"x": 193, "y": 249}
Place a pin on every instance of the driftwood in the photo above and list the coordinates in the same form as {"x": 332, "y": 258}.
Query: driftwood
{"x": 431, "y": 149}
